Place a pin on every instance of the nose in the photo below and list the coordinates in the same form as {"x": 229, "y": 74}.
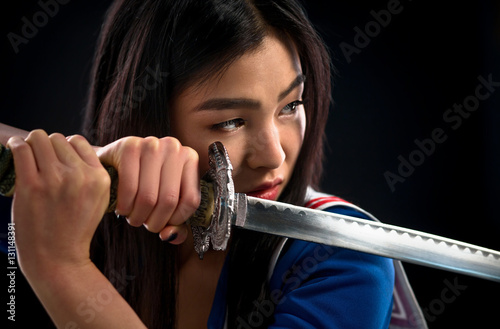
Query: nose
{"x": 265, "y": 149}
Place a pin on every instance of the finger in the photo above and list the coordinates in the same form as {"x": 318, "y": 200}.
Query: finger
{"x": 190, "y": 194}
{"x": 64, "y": 151}
{"x": 128, "y": 172}
{"x": 43, "y": 150}
{"x": 174, "y": 234}
{"x": 168, "y": 195}
{"x": 24, "y": 160}
{"x": 84, "y": 150}
{"x": 148, "y": 185}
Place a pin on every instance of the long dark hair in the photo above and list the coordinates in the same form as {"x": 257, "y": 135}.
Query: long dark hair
{"x": 148, "y": 51}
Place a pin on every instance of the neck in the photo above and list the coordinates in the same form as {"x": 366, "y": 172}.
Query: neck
{"x": 197, "y": 284}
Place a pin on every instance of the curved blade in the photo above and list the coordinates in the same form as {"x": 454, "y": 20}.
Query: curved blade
{"x": 367, "y": 236}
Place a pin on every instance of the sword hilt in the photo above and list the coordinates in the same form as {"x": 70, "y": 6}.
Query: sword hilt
{"x": 217, "y": 201}
{"x": 203, "y": 215}
{"x": 7, "y": 173}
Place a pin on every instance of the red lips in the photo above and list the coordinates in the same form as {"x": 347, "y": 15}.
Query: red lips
{"x": 268, "y": 190}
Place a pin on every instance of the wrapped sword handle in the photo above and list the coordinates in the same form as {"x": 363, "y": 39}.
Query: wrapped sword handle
{"x": 8, "y": 177}
{"x": 7, "y": 173}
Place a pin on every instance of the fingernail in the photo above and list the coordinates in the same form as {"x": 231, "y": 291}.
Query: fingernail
{"x": 118, "y": 216}
{"x": 172, "y": 237}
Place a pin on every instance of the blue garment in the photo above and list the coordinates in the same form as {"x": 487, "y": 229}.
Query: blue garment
{"x": 317, "y": 286}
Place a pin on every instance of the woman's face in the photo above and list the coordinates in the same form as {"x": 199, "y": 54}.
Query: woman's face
{"x": 255, "y": 110}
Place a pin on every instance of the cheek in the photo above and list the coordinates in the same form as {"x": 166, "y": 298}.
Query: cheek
{"x": 189, "y": 137}
{"x": 302, "y": 124}
{"x": 292, "y": 141}
{"x": 294, "y": 137}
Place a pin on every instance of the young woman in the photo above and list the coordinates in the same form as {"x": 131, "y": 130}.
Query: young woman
{"x": 170, "y": 78}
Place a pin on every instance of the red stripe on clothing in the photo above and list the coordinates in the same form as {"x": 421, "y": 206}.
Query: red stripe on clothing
{"x": 315, "y": 203}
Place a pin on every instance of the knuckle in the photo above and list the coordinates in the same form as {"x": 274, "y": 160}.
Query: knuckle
{"x": 171, "y": 144}
{"x": 37, "y": 133}
{"x": 170, "y": 199}
{"x": 36, "y": 136}
{"x": 75, "y": 139}
{"x": 147, "y": 199}
{"x": 100, "y": 180}
{"x": 150, "y": 144}
{"x": 105, "y": 178}
{"x": 57, "y": 136}
{"x": 151, "y": 138}
{"x": 191, "y": 154}
{"x": 129, "y": 144}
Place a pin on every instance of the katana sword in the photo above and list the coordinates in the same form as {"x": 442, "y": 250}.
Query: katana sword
{"x": 221, "y": 208}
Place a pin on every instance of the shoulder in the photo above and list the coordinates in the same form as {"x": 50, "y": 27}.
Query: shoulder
{"x": 332, "y": 203}
{"x": 312, "y": 283}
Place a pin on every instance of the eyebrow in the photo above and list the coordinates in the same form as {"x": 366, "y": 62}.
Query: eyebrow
{"x": 295, "y": 83}
{"x": 232, "y": 103}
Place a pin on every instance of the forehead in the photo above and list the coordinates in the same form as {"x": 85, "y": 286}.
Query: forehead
{"x": 267, "y": 70}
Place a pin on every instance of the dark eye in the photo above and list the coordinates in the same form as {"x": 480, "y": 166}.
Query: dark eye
{"x": 291, "y": 107}
{"x": 229, "y": 125}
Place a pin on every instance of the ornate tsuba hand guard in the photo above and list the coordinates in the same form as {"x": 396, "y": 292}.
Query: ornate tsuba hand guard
{"x": 212, "y": 220}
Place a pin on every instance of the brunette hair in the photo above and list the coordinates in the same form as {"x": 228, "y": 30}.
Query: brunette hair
{"x": 148, "y": 51}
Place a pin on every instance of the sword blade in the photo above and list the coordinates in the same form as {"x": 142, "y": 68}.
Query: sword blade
{"x": 366, "y": 236}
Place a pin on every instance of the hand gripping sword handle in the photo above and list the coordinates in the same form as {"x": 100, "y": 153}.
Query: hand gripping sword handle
{"x": 215, "y": 188}
{"x": 8, "y": 177}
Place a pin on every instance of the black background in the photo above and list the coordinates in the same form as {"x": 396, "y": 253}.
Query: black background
{"x": 393, "y": 91}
